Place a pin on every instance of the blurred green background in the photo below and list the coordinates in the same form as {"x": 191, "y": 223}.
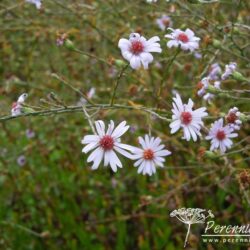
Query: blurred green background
{"x": 52, "y": 199}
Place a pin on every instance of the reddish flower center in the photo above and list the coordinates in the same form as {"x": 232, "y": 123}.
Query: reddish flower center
{"x": 186, "y": 117}
{"x": 220, "y": 135}
{"x": 107, "y": 142}
{"x": 136, "y": 47}
{"x": 183, "y": 38}
{"x": 165, "y": 22}
{"x": 231, "y": 118}
{"x": 148, "y": 154}
{"x": 199, "y": 85}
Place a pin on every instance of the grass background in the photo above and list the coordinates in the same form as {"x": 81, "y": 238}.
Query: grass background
{"x": 55, "y": 201}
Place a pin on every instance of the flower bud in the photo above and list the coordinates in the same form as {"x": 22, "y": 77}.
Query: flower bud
{"x": 26, "y": 110}
{"x": 212, "y": 89}
{"x": 216, "y": 44}
{"x": 239, "y": 77}
{"x": 69, "y": 44}
{"x": 210, "y": 155}
{"x": 119, "y": 63}
{"x": 244, "y": 118}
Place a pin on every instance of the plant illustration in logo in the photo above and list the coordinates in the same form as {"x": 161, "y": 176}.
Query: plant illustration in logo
{"x": 191, "y": 216}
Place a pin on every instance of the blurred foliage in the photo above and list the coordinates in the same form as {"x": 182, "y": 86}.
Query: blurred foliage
{"x": 55, "y": 201}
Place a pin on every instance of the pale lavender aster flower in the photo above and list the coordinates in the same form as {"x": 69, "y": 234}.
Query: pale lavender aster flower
{"x": 186, "y": 40}
{"x": 30, "y": 133}
{"x": 137, "y": 50}
{"x": 21, "y": 160}
{"x": 186, "y": 118}
{"x": 150, "y": 155}
{"x": 229, "y": 70}
{"x": 197, "y": 55}
{"x": 214, "y": 71}
{"x": 220, "y": 136}
{"x": 164, "y": 22}
{"x": 105, "y": 145}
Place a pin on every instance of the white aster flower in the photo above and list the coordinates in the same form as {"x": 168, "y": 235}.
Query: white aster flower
{"x": 220, "y": 136}
{"x": 233, "y": 118}
{"x": 214, "y": 71}
{"x": 37, "y": 3}
{"x": 164, "y": 22}
{"x": 106, "y": 144}
{"x": 186, "y": 118}
{"x": 137, "y": 50}
{"x": 16, "y": 108}
{"x": 150, "y": 155}
{"x": 186, "y": 40}
{"x": 229, "y": 69}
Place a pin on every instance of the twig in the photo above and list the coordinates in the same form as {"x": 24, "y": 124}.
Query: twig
{"x": 72, "y": 87}
{"x": 89, "y": 119}
{"x": 117, "y": 83}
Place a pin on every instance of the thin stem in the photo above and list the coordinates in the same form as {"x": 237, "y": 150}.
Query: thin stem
{"x": 91, "y": 56}
{"x": 89, "y": 120}
{"x": 77, "y": 108}
{"x": 73, "y": 88}
{"x": 166, "y": 72}
{"x": 117, "y": 83}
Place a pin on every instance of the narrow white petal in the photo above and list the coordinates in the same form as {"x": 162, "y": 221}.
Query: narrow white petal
{"x": 95, "y": 154}
{"x": 90, "y": 138}
{"x": 89, "y": 147}
{"x": 100, "y": 127}
{"x": 120, "y": 129}
{"x": 123, "y": 152}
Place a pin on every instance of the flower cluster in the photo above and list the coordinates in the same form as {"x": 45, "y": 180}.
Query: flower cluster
{"x": 137, "y": 49}
{"x": 229, "y": 70}
{"x": 214, "y": 78}
{"x": 214, "y": 72}
{"x": 203, "y": 86}
{"x": 233, "y": 118}
{"x": 105, "y": 145}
